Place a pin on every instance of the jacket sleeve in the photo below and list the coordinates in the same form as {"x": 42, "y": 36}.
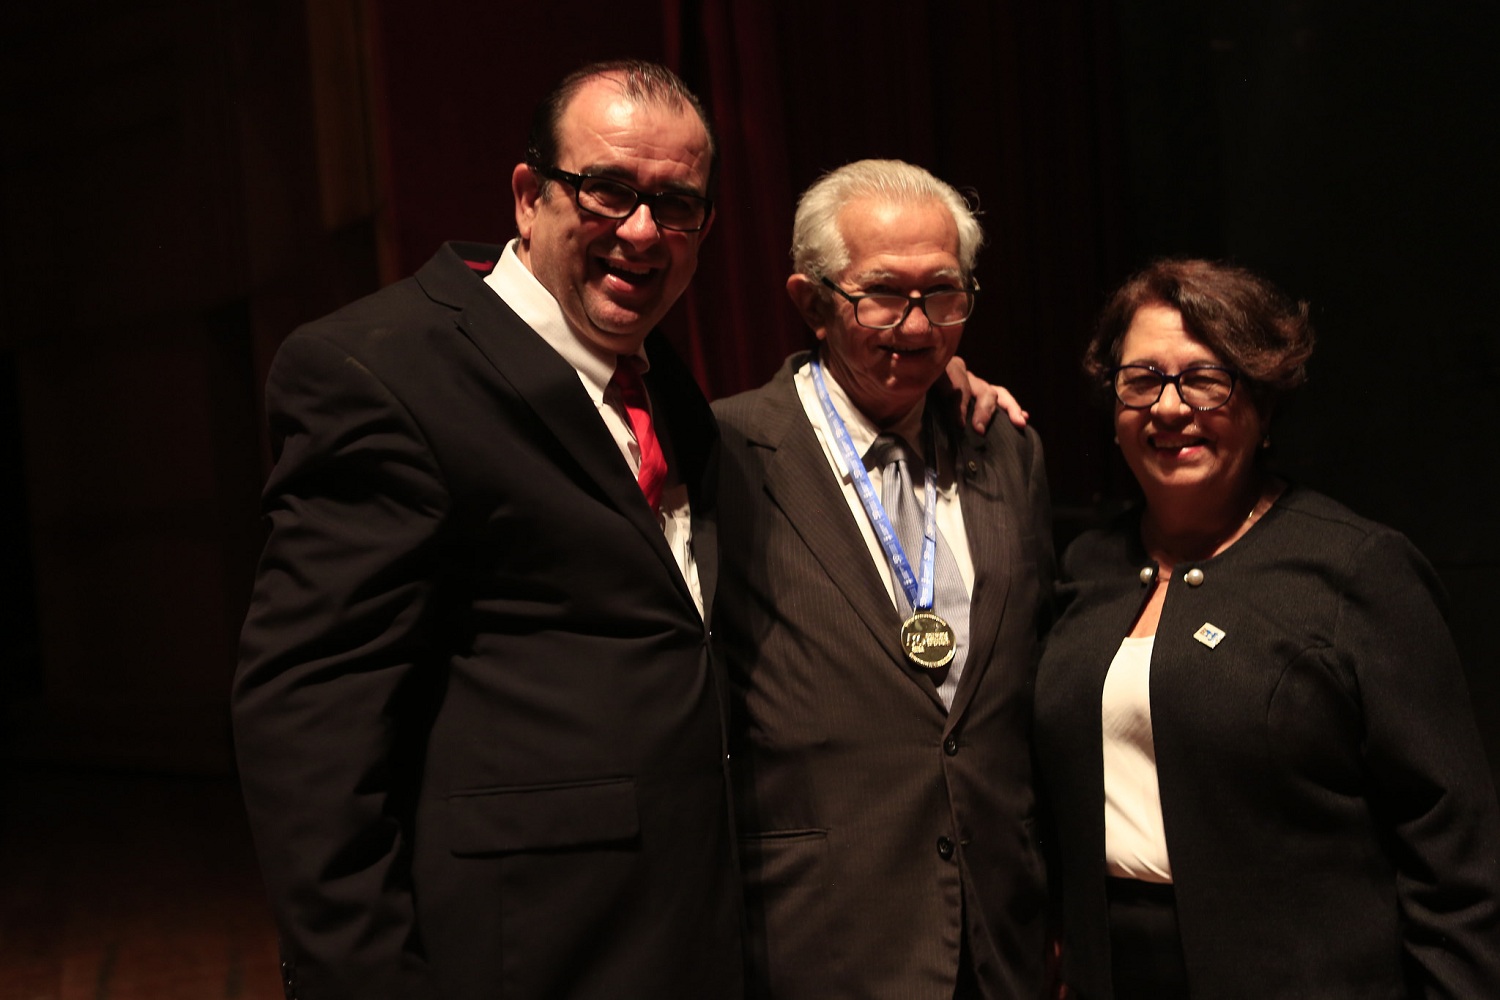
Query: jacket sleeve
{"x": 1430, "y": 782}
{"x": 329, "y": 699}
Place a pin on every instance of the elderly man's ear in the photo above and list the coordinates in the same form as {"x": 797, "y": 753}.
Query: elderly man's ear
{"x": 807, "y": 295}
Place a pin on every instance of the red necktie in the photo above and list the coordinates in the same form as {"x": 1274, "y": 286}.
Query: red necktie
{"x": 653, "y": 471}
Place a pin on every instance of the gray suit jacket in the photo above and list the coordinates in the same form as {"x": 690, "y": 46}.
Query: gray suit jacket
{"x": 881, "y": 836}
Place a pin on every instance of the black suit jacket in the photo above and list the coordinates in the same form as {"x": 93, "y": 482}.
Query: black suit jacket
{"x": 881, "y": 834}
{"x": 1330, "y": 818}
{"x": 478, "y": 724}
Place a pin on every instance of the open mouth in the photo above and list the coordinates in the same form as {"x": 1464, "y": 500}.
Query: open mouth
{"x": 635, "y": 276}
{"x": 898, "y": 353}
{"x": 1177, "y": 446}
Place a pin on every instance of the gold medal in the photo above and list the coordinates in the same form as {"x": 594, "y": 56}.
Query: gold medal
{"x": 928, "y": 640}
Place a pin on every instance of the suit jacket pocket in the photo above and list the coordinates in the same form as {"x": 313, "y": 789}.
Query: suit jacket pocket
{"x": 538, "y": 817}
{"x": 794, "y": 947}
{"x": 784, "y": 857}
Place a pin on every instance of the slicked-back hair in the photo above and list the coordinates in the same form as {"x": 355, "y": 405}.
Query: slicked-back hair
{"x": 639, "y": 80}
{"x": 818, "y": 248}
{"x": 1240, "y": 316}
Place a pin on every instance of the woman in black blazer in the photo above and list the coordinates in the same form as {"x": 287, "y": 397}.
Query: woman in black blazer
{"x": 1252, "y": 728}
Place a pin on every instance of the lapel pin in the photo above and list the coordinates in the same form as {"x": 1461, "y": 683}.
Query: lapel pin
{"x": 1209, "y": 635}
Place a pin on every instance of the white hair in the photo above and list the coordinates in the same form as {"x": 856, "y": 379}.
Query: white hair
{"x": 818, "y": 247}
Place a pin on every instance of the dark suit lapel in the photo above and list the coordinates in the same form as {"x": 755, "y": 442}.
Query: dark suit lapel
{"x": 537, "y": 374}
{"x": 816, "y": 508}
{"x": 989, "y": 525}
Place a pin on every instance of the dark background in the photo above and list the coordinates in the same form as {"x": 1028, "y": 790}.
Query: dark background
{"x": 182, "y": 182}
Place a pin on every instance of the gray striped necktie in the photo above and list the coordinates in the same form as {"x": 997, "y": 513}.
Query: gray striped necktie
{"x": 900, "y": 467}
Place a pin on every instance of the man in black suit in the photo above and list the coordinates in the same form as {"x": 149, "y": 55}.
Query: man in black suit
{"x": 478, "y": 726}
{"x": 881, "y": 706}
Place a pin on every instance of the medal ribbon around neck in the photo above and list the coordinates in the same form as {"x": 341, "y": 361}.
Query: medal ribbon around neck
{"x": 918, "y": 591}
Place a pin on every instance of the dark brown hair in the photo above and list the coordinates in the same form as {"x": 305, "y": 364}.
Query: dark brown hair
{"x": 1243, "y": 318}
{"x": 639, "y": 80}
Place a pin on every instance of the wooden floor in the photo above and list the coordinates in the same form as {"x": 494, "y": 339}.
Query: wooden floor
{"x": 129, "y": 887}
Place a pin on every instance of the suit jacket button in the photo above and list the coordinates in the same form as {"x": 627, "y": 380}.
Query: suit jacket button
{"x": 1193, "y": 577}
{"x": 945, "y": 848}
{"x": 950, "y": 747}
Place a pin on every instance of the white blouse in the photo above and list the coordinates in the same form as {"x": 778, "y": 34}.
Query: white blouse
{"x": 1135, "y": 839}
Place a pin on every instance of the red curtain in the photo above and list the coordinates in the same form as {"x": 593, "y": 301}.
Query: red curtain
{"x": 1013, "y": 100}
{"x": 739, "y": 321}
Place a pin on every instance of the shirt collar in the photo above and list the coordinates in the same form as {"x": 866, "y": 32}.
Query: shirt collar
{"x": 862, "y": 430}
{"x": 529, "y": 299}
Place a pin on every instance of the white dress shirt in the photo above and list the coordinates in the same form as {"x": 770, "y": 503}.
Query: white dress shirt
{"x": 536, "y": 307}
{"x": 863, "y": 432}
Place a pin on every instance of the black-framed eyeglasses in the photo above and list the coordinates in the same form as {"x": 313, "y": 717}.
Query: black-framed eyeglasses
{"x": 885, "y": 311}
{"x": 1202, "y": 387}
{"x": 612, "y": 199}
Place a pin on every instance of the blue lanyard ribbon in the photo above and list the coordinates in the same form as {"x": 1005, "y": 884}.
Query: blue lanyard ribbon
{"x": 918, "y": 592}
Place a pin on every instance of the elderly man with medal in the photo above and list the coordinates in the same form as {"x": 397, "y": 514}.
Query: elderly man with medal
{"x": 884, "y": 572}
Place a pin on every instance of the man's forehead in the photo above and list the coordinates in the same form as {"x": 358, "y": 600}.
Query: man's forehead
{"x": 608, "y": 131}
{"x": 605, "y": 104}
{"x": 881, "y": 234}
{"x": 888, "y": 270}
{"x": 878, "y": 275}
